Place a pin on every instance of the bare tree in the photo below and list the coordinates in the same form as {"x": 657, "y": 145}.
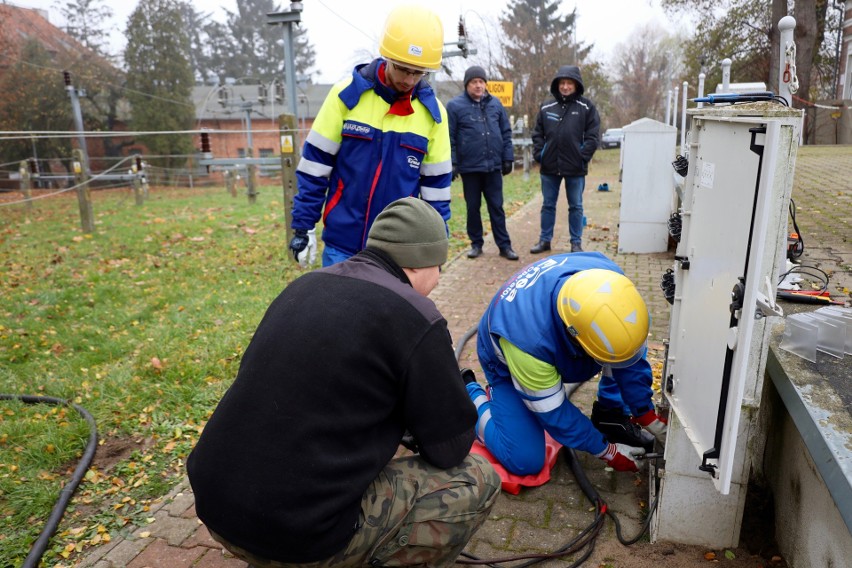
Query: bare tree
{"x": 644, "y": 68}
{"x": 747, "y": 32}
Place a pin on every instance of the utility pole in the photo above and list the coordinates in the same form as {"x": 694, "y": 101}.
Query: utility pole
{"x": 75, "y": 95}
{"x": 288, "y": 122}
{"x": 288, "y": 20}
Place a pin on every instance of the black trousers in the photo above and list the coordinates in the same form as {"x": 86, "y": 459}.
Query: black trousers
{"x": 489, "y": 184}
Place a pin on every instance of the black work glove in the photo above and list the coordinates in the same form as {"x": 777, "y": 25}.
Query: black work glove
{"x": 467, "y": 375}
{"x": 299, "y": 242}
{"x": 409, "y": 443}
{"x": 455, "y": 173}
{"x": 507, "y": 168}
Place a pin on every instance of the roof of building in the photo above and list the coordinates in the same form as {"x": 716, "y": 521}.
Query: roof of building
{"x": 230, "y": 102}
{"x": 19, "y": 25}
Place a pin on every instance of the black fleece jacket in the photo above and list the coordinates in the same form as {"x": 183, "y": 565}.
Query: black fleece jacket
{"x": 566, "y": 133}
{"x": 346, "y": 359}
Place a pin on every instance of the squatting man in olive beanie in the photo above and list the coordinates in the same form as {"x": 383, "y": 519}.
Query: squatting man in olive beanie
{"x": 348, "y": 361}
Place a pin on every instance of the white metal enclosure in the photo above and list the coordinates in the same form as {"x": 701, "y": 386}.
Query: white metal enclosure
{"x": 734, "y": 221}
{"x": 647, "y": 192}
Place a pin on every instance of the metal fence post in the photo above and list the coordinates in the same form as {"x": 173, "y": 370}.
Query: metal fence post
{"x": 726, "y": 75}
{"x": 251, "y": 171}
{"x": 674, "y": 108}
{"x": 26, "y": 183}
{"x": 668, "y": 106}
{"x": 84, "y": 196}
{"x": 683, "y": 119}
{"x": 787, "y": 81}
{"x": 289, "y": 160}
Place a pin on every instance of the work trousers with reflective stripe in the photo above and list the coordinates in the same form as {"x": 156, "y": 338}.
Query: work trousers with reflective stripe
{"x": 413, "y": 514}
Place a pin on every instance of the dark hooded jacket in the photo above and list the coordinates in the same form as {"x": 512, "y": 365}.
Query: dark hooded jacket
{"x": 567, "y": 129}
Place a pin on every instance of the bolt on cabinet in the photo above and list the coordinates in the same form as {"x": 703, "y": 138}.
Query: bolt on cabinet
{"x": 733, "y": 232}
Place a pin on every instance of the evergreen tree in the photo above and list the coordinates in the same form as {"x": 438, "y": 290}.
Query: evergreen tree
{"x": 160, "y": 79}
{"x": 207, "y": 43}
{"x": 253, "y": 49}
{"x": 538, "y": 41}
{"x": 85, "y": 21}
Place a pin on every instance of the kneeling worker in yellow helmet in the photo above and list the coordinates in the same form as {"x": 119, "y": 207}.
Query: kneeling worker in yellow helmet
{"x": 564, "y": 319}
{"x": 380, "y": 135}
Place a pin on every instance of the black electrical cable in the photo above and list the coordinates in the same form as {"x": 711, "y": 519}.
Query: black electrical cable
{"x": 588, "y": 536}
{"x": 798, "y": 247}
{"x": 40, "y": 545}
{"x": 817, "y": 273}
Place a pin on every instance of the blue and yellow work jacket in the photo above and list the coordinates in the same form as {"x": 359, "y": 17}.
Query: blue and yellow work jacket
{"x": 523, "y": 340}
{"x": 368, "y": 147}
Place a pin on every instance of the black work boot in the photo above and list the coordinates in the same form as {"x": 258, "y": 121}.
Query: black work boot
{"x": 540, "y": 246}
{"x": 618, "y": 429}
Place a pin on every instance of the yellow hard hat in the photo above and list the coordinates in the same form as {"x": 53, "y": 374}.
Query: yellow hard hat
{"x": 606, "y": 315}
{"x": 414, "y": 36}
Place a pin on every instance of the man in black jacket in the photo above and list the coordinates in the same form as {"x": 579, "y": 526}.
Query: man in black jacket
{"x": 564, "y": 140}
{"x": 481, "y": 140}
{"x": 297, "y": 464}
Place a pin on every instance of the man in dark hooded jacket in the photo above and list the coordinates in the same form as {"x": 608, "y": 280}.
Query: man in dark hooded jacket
{"x": 564, "y": 140}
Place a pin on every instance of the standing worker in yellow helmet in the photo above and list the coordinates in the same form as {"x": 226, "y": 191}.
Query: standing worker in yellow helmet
{"x": 380, "y": 135}
{"x": 563, "y": 320}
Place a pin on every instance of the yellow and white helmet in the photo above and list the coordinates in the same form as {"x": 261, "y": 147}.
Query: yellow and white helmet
{"x": 413, "y": 36}
{"x": 604, "y": 312}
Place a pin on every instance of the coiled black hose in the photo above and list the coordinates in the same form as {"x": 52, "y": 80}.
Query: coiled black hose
{"x": 40, "y": 545}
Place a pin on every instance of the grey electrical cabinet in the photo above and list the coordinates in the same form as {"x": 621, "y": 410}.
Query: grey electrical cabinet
{"x": 647, "y": 190}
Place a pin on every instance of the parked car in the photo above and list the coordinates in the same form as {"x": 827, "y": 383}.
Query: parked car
{"x": 612, "y": 138}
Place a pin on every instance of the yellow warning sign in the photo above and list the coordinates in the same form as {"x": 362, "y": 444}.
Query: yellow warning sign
{"x": 503, "y": 90}
{"x": 287, "y": 144}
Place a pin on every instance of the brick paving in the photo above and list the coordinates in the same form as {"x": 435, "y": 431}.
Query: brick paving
{"x": 544, "y": 518}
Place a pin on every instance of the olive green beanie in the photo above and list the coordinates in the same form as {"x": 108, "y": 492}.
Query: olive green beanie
{"x": 411, "y": 232}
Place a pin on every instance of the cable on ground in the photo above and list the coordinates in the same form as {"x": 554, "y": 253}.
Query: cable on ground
{"x": 588, "y": 536}
{"x": 40, "y": 545}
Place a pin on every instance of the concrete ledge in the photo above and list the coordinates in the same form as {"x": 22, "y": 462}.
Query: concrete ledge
{"x": 809, "y": 392}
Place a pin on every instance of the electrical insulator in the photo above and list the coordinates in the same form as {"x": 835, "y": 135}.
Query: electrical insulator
{"x": 205, "y": 143}
{"x": 67, "y": 77}
{"x": 139, "y": 163}
{"x": 223, "y": 97}
{"x": 262, "y": 94}
{"x": 33, "y": 165}
{"x": 279, "y": 92}
{"x": 462, "y": 38}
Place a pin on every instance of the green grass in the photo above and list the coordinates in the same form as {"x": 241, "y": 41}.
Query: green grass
{"x": 143, "y": 324}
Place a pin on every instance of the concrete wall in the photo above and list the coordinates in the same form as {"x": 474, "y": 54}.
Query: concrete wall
{"x": 809, "y": 528}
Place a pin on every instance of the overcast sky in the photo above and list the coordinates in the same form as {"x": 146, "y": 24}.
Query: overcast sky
{"x": 345, "y": 32}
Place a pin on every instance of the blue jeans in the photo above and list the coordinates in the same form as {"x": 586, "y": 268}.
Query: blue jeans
{"x": 574, "y": 186}
{"x": 333, "y": 256}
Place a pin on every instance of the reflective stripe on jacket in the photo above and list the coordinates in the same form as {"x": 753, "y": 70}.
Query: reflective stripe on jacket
{"x": 566, "y": 136}
{"x": 358, "y": 158}
{"x": 524, "y": 313}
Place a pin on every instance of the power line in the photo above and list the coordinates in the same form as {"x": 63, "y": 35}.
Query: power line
{"x": 46, "y": 134}
{"x": 108, "y": 84}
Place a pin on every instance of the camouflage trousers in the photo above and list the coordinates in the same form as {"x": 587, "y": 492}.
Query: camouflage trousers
{"x": 413, "y": 514}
